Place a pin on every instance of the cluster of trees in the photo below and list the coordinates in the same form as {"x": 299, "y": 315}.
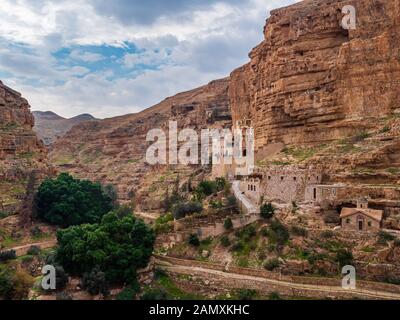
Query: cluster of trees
{"x": 66, "y": 201}
{"x": 118, "y": 247}
{"x": 183, "y": 209}
{"x": 102, "y": 242}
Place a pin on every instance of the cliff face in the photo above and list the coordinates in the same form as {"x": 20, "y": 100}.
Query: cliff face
{"x": 311, "y": 81}
{"x": 20, "y": 150}
{"x": 113, "y": 150}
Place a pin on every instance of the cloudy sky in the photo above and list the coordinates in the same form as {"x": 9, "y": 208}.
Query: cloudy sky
{"x": 115, "y": 57}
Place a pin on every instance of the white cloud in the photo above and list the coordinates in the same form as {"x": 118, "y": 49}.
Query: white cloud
{"x": 191, "y": 42}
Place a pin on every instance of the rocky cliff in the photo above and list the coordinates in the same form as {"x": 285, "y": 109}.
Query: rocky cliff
{"x": 20, "y": 150}
{"x": 49, "y": 126}
{"x": 113, "y": 150}
{"x": 311, "y": 81}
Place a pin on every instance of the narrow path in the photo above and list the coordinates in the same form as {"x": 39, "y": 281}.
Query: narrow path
{"x": 364, "y": 293}
{"x": 23, "y": 250}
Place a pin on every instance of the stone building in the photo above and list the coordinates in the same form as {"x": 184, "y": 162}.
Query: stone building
{"x": 361, "y": 218}
{"x": 320, "y": 192}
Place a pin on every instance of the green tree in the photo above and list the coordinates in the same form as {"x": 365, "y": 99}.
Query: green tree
{"x": 267, "y": 211}
{"x": 117, "y": 246}
{"x": 344, "y": 258}
{"x": 206, "y": 188}
{"x": 181, "y": 210}
{"x": 66, "y": 201}
{"x": 95, "y": 282}
{"x": 228, "y": 224}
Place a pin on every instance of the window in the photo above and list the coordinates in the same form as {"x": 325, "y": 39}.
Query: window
{"x": 369, "y": 223}
{"x": 282, "y": 178}
{"x": 315, "y": 194}
{"x": 348, "y": 220}
{"x": 295, "y": 178}
{"x": 255, "y": 188}
{"x": 269, "y": 177}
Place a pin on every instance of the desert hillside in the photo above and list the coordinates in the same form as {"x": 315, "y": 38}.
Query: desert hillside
{"x": 49, "y": 126}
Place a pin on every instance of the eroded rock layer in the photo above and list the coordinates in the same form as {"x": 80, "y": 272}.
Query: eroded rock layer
{"x": 311, "y": 81}
{"x": 20, "y": 150}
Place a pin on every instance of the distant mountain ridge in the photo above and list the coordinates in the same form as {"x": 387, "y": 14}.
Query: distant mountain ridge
{"x": 50, "y": 126}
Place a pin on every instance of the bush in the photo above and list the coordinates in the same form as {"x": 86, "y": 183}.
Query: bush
{"x": 221, "y": 184}
{"x": 246, "y": 294}
{"x": 232, "y": 201}
{"x": 247, "y": 233}
{"x": 344, "y": 257}
{"x": 228, "y": 224}
{"x": 331, "y": 218}
{"x": 8, "y": 255}
{"x": 14, "y": 284}
{"x": 95, "y": 282}
{"x": 63, "y": 296}
{"x": 129, "y": 293}
{"x": 298, "y": 231}
{"x": 274, "y": 296}
{"x": 384, "y": 237}
{"x": 238, "y": 247}
{"x": 61, "y": 277}
{"x": 34, "y": 251}
{"x": 117, "y": 246}
{"x": 225, "y": 241}
{"x": 206, "y": 188}
{"x": 181, "y": 210}
{"x": 278, "y": 233}
{"x": 194, "y": 240}
{"x": 66, "y": 201}
{"x": 327, "y": 234}
{"x": 155, "y": 295}
{"x": 272, "y": 264}
{"x": 267, "y": 211}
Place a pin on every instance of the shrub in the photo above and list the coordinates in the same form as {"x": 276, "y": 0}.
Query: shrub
{"x": 278, "y": 233}
{"x": 36, "y": 232}
{"x": 332, "y": 217}
{"x": 61, "y": 277}
{"x": 117, "y": 246}
{"x": 246, "y": 294}
{"x": 34, "y": 251}
{"x": 63, "y": 296}
{"x": 221, "y": 184}
{"x": 327, "y": 234}
{"x": 228, "y": 224}
{"x": 272, "y": 264}
{"x": 267, "y": 211}
{"x": 247, "y": 233}
{"x": 194, "y": 240}
{"x": 298, "y": 231}
{"x": 206, "y": 188}
{"x": 95, "y": 282}
{"x": 181, "y": 210}
{"x": 14, "y": 284}
{"x": 129, "y": 293}
{"x": 238, "y": 247}
{"x": 8, "y": 255}
{"x": 384, "y": 237}
{"x": 232, "y": 201}
{"x": 123, "y": 211}
{"x": 66, "y": 201}
{"x": 155, "y": 295}
{"x": 274, "y": 296}
{"x": 225, "y": 241}
{"x": 344, "y": 257}
{"x": 216, "y": 204}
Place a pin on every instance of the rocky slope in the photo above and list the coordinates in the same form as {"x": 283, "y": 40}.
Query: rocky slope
{"x": 49, "y": 126}
{"x": 20, "y": 150}
{"x": 113, "y": 150}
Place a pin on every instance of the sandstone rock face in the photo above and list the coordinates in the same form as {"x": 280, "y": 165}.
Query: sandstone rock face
{"x": 113, "y": 150}
{"x": 20, "y": 150}
{"x": 311, "y": 81}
